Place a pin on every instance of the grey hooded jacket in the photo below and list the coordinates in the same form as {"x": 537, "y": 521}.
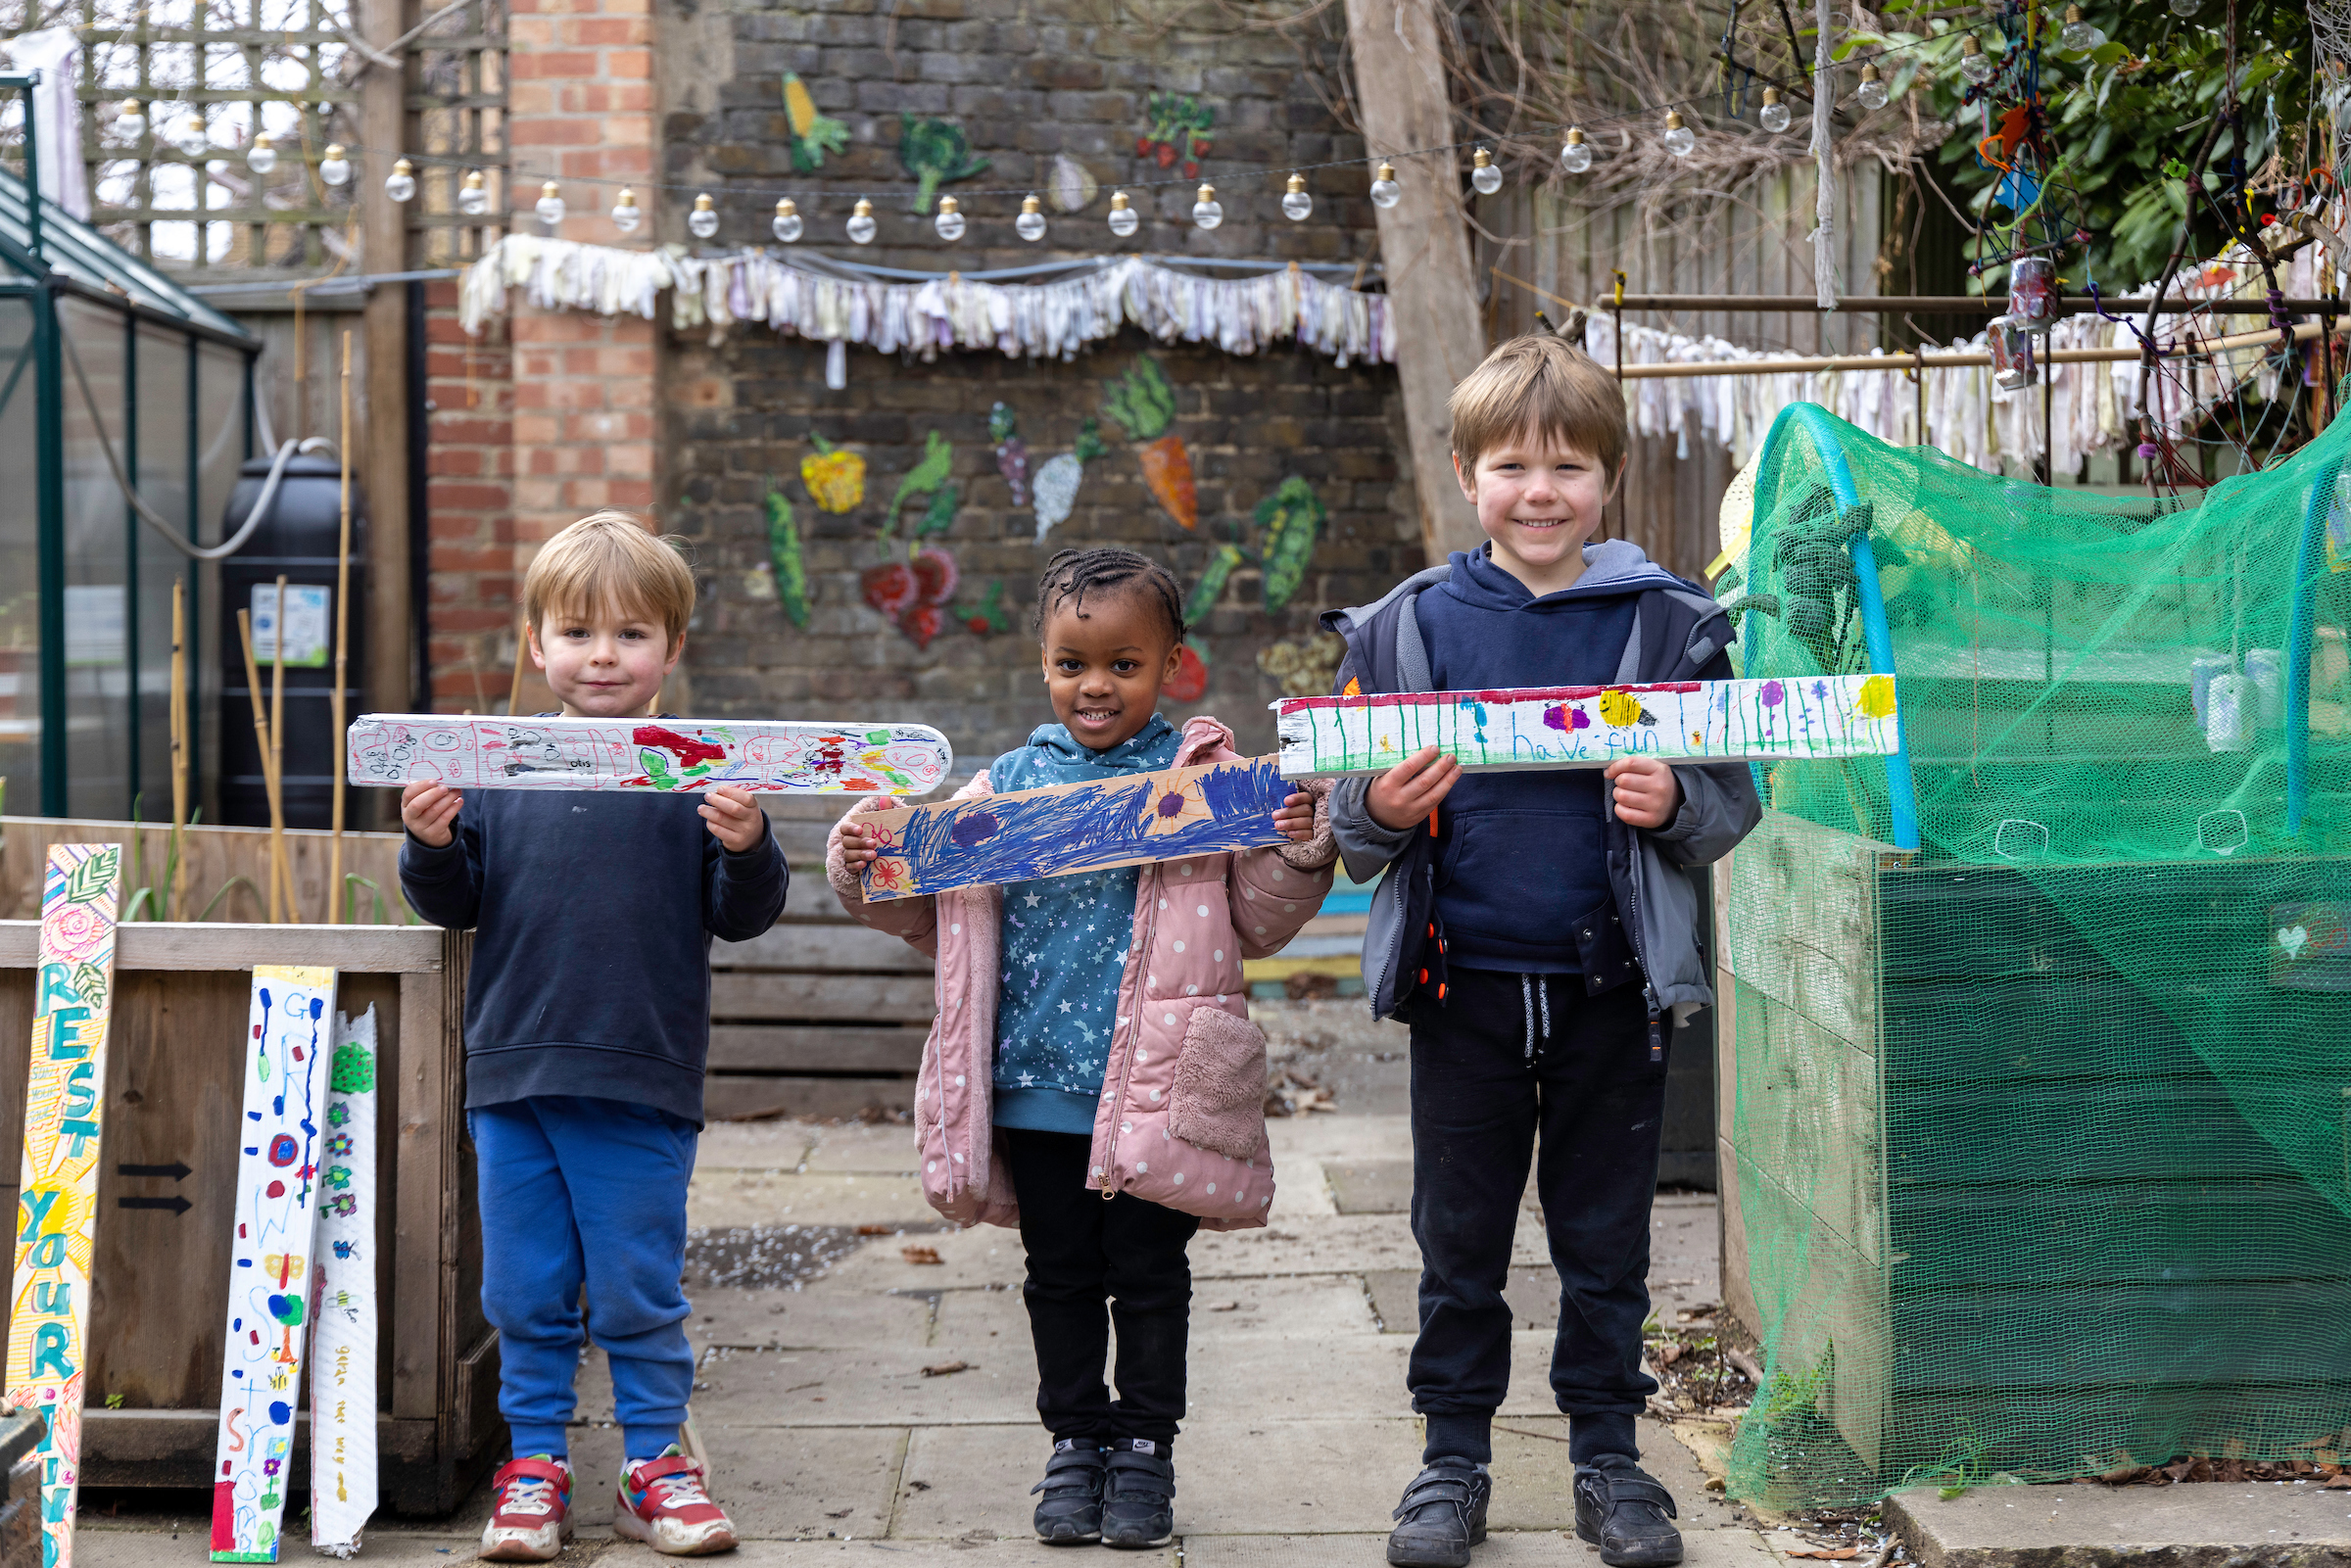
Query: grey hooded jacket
{"x": 1679, "y": 634}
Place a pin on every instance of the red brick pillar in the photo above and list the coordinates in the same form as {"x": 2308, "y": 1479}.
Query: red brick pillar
{"x": 560, "y": 420}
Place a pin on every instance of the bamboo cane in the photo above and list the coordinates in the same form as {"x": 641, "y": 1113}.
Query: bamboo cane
{"x": 334, "y": 871}
{"x": 261, "y": 736}
{"x": 279, "y": 864}
{"x": 178, "y": 709}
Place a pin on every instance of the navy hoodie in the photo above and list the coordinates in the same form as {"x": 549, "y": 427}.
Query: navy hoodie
{"x": 1505, "y": 907}
{"x": 591, "y": 914}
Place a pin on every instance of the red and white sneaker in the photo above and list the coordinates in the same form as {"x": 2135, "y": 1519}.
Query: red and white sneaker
{"x": 664, "y": 1503}
{"x": 533, "y": 1517}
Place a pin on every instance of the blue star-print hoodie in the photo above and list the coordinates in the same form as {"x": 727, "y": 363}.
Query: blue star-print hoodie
{"x": 1063, "y": 947}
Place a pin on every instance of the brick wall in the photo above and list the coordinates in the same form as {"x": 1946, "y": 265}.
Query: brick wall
{"x": 1024, "y": 80}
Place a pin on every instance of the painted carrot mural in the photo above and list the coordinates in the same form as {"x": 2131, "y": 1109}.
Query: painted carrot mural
{"x": 1142, "y": 403}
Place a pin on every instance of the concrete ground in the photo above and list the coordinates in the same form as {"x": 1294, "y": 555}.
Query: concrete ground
{"x": 831, "y": 1444}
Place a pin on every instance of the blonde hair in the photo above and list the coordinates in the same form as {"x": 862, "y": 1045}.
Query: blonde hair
{"x": 609, "y": 563}
{"x": 1539, "y": 382}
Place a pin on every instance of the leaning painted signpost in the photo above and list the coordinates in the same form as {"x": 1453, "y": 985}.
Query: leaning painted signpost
{"x": 291, "y": 1026}
{"x": 343, "y": 1454}
{"x": 57, "y": 1205}
{"x": 1066, "y": 828}
{"x": 1818, "y": 717}
{"x": 655, "y": 755}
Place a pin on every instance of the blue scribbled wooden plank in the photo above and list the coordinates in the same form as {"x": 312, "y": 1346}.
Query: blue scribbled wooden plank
{"x": 1066, "y": 829}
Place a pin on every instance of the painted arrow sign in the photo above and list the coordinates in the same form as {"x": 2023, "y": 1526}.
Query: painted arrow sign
{"x": 176, "y": 1171}
{"x": 178, "y": 1206}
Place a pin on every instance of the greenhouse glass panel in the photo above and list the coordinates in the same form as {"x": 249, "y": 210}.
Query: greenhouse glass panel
{"x": 20, "y": 555}
{"x": 162, "y": 381}
{"x": 99, "y": 742}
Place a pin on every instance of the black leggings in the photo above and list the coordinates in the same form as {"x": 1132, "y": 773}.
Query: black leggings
{"x": 1082, "y": 1252}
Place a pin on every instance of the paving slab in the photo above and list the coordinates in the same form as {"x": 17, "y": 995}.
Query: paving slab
{"x": 876, "y": 1387}
{"x": 778, "y": 1145}
{"x": 2198, "y": 1525}
{"x": 1504, "y": 1549}
{"x": 975, "y": 1551}
{"x": 1339, "y": 1137}
{"x": 1532, "y": 1290}
{"x": 734, "y": 1197}
{"x": 983, "y": 1256}
{"x": 886, "y": 1147}
{"x": 1311, "y": 1307}
{"x": 741, "y": 1318}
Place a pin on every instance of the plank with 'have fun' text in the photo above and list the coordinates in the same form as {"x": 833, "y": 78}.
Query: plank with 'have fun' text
{"x": 1779, "y": 720}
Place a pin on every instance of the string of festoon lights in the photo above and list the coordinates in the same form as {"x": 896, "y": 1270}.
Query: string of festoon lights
{"x": 1576, "y": 156}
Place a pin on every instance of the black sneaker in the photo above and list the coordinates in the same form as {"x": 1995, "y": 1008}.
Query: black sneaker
{"x": 1443, "y": 1516}
{"x": 1139, "y": 1509}
{"x": 1071, "y": 1514}
{"x": 1627, "y": 1514}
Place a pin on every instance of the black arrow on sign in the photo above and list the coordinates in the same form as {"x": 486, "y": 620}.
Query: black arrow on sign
{"x": 178, "y": 1206}
{"x": 176, "y": 1170}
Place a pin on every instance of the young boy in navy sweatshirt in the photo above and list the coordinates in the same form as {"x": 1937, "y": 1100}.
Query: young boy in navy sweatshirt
{"x": 1539, "y": 934}
{"x": 587, "y": 1028}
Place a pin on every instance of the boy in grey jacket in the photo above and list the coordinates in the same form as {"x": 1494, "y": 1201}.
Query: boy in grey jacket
{"x": 1539, "y": 934}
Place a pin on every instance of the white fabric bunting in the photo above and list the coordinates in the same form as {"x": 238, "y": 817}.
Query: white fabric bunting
{"x": 1031, "y": 320}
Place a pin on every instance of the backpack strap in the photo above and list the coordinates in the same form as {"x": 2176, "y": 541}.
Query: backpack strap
{"x": 1411, "y": 654}
{"x": 1628, "y": 670}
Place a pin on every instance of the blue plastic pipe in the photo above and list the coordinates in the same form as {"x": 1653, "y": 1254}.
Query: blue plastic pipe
{"x": 1901, "y": 794}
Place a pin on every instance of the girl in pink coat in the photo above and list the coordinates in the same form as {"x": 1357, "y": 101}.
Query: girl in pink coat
{"x": 1093, "y": 1043}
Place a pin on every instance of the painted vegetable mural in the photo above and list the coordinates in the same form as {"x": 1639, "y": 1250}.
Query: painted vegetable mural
{"x": 1012, "y": 452}
{"x": 1178, "y": 131}
{"x": 1142, "y": 403}
{"x": 1288, "y": 522}
{"x": 936, "y": 152}
{"x": 927, "y": 477}
{"x": 813, "y": 135}
{"x": 1057, "y": 482}
{"x": 835, "y": 479}
{"x": 783, "y": 553}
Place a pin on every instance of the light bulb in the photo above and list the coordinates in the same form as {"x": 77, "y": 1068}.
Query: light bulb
{"x": 262, "y": 157}
{"x": 626, "y": 214}
{"x": 1482, "y": 172}
{"x": 1385, "y": 192}
{"x": 194, "y": 141}
{"x": 132, "y": 120}
{"x": 400, "y": 183}
{"x": 1679, "y": 138}
{"x": 1030, "y": 224}
{"x": 1295, "y": 202}
{"x": 788, "y": 222}
{"x": 1575, "y": 154}
{"x": 2184, "y": 8}
{"x": 1208, "y": 212}
{"x": 1974, "y": 64}
{"x": 949, "y": 222}
{"x": 703, "y": 222}
{"x": 2080, "y": 36}
{"x": 472, "y": 200}
{"x": 1124, "y": 220}
{"x": 1773, "y": 113}
{"x": 861, "y": 223}
{"x": 550, "y": 205}
{"x": 334, "y": 168}
{"x": 1872, "y": 91}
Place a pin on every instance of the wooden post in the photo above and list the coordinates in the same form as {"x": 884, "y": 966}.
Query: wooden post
{"x": 334, "y": 863}
{"x": 261, "y": 736}
{"x": 178, "y": 709}
{"x": 382, "y": 461}
{"x": 522, "y": 662}
{"x": 1423, "y": 245}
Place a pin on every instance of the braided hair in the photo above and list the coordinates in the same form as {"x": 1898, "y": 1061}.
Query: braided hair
{"x": 1072, "y": 574}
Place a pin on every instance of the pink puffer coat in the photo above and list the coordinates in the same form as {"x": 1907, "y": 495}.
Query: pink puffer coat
{"x": 1182, "y": 1119}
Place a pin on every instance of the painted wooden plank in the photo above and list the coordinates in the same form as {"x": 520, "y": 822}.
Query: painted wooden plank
{"x": 186, "y": 945}
{"x": 830, "y": 949}
{"x": 392, "y": 749}
{"x": 1590, "y": 726}
{"x": 343, "y": 1458}
{"x": 753, "y": 995}
{"x": 64, "y": 1100}
{"x": 823, "y": 1048}
{"x": 279, "y": 1144}
{"x": 1066, "y": 829}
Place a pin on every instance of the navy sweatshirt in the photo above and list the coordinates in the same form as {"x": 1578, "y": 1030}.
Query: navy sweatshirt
{"x": 592, "y": 914}
{"x": 1520, "y": 855}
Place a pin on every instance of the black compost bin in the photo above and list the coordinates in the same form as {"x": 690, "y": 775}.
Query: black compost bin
{"x": 299, "y": 538}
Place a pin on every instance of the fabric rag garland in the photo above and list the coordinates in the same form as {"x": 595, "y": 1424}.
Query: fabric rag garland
{"x": 1033, "y": 320}
{"x": 2093, "y": 407}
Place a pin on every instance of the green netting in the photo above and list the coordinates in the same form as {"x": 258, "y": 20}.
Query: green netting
{"x": 2042, "y": 1144}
